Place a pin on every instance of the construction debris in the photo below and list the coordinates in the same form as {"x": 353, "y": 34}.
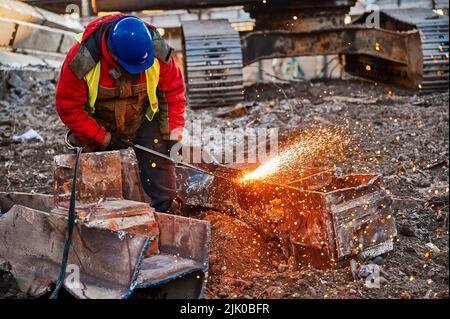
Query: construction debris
{"x": 28, "y": 136}
{"x": 33, "y": 40}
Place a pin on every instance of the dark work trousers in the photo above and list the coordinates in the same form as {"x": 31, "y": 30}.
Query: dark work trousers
{"x": 157, "y": 175}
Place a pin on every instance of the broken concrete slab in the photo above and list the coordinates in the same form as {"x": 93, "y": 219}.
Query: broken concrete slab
{"x": 21, "y": 11}
{"x": 23, "y": 35}
{"x": 323, "y": 227}
{"x": 131, "y": 181}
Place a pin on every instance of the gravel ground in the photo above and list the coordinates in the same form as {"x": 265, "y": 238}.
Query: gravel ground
{"x": 395, "y": 132}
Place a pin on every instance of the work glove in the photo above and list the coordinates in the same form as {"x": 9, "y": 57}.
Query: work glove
{"x": 73, "y": 143}
{"x": 117, "y": 142}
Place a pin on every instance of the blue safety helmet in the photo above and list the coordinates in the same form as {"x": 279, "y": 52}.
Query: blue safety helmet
{"x": 132, "y": 44}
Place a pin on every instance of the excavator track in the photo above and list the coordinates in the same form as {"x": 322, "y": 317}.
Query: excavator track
{"x": 213, "y": 60}
{"x": 433, "y": 30}
{"x": 435, "y": 50}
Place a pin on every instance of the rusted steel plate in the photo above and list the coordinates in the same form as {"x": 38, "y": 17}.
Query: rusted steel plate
{"x": 184, "y": 237}
{"x": 162, "y": 268}
{"x": 131, "y": 181}
{"x": 112, "y": 237}
{"x": 188, "y": 240}
{"x": 18, "y": 10}
{"x": 30, "y": 36}
{"x": 99, "y": 176}
{"x": 362, "y": 214}
{"x": 107, "y": 261}
{"x": 212, "y": 50}
{"x": 427, "y": 68}
{"x": 36, "y": 201}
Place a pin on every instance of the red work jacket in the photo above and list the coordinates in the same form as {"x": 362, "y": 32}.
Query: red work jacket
{"x": 72, "y": 92}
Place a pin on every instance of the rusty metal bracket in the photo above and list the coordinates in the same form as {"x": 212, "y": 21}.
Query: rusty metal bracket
{"x": 352, "y": 39}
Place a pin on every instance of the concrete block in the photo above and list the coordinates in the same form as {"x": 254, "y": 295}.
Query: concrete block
{"x": 67, "y": 42}
{"x": 20, "y": 11}
{"x": 24, "y": 35}
{"x": 7, "y": 29}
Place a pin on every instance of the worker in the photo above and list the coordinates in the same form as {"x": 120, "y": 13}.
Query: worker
{"x": 120, "y": 82}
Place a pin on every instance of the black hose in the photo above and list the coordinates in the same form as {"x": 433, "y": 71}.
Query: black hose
{"x": 70, "y": 226}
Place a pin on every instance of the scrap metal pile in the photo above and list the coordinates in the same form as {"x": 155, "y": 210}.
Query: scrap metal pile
{"x": 121, "y": 248}
{"x": 322, "y": 219}
{"x": 122, "y": 245}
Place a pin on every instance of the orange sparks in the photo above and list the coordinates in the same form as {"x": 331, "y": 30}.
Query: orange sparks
{"x": 308, "y": 147}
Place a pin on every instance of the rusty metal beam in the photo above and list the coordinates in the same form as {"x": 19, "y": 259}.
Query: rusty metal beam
{"x": 136, "y": 5}
{"x": 384, "y": 44}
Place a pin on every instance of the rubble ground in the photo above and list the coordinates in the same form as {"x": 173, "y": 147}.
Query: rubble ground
{"x": 402, "y": 135}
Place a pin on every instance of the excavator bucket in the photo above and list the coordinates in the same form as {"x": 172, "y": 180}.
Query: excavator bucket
{"x": 426, "y": 68}
{"x": 120, "y": 249}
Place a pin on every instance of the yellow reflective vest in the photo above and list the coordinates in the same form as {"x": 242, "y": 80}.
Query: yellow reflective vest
{"x": 92, "y": 79}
